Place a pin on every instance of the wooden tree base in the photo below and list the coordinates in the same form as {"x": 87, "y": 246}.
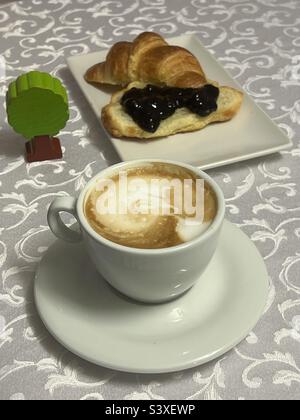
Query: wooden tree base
{"x": 42, "y": 148}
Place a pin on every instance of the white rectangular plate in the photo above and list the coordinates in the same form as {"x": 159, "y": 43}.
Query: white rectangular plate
{"x": 250, "y": 134}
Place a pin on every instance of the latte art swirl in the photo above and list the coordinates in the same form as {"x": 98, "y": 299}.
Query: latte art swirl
{"x": 146, "y": 207}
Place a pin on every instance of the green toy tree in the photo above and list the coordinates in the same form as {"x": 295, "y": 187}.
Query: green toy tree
{"x": 37, "y": 107}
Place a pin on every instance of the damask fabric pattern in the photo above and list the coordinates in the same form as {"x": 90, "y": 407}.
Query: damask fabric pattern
{"x": 258, "y": 41}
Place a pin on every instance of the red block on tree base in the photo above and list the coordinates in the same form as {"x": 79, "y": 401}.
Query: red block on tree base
{"x": 42, "y": 148}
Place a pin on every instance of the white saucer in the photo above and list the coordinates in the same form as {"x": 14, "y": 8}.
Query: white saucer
{"x": 93, "y": 321}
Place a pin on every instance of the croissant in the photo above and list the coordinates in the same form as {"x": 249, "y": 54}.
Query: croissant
{"x": 118, "y": 123}
{"x": 148, "y": 59}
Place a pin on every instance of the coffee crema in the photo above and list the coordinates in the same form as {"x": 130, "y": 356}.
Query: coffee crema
{"x": 153, "y": 218}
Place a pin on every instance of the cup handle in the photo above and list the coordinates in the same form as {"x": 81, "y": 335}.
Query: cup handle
{"x": 68, "y": 205}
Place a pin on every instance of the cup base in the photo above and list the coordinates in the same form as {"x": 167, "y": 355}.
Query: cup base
{"x": 144, "y": 301}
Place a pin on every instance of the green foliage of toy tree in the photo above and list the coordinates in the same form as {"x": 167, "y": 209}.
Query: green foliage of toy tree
{"x": 37, "y": 105}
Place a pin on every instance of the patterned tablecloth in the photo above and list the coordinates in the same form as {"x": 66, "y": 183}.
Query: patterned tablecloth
{"x": 258, "y": 41}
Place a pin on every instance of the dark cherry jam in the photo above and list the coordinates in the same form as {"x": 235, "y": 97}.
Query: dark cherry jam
{"x": 153, "y": 104}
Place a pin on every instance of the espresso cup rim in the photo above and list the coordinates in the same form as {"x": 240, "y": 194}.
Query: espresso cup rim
{"x": 215, "y": 225}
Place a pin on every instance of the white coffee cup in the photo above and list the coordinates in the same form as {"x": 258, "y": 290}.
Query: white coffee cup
{"x": 147, "y": 275}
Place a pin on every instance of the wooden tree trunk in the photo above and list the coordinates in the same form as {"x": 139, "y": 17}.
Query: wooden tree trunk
{"x": 42, "y": 148}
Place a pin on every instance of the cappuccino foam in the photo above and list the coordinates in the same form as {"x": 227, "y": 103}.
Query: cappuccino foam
{"x": 147, "y": 216}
